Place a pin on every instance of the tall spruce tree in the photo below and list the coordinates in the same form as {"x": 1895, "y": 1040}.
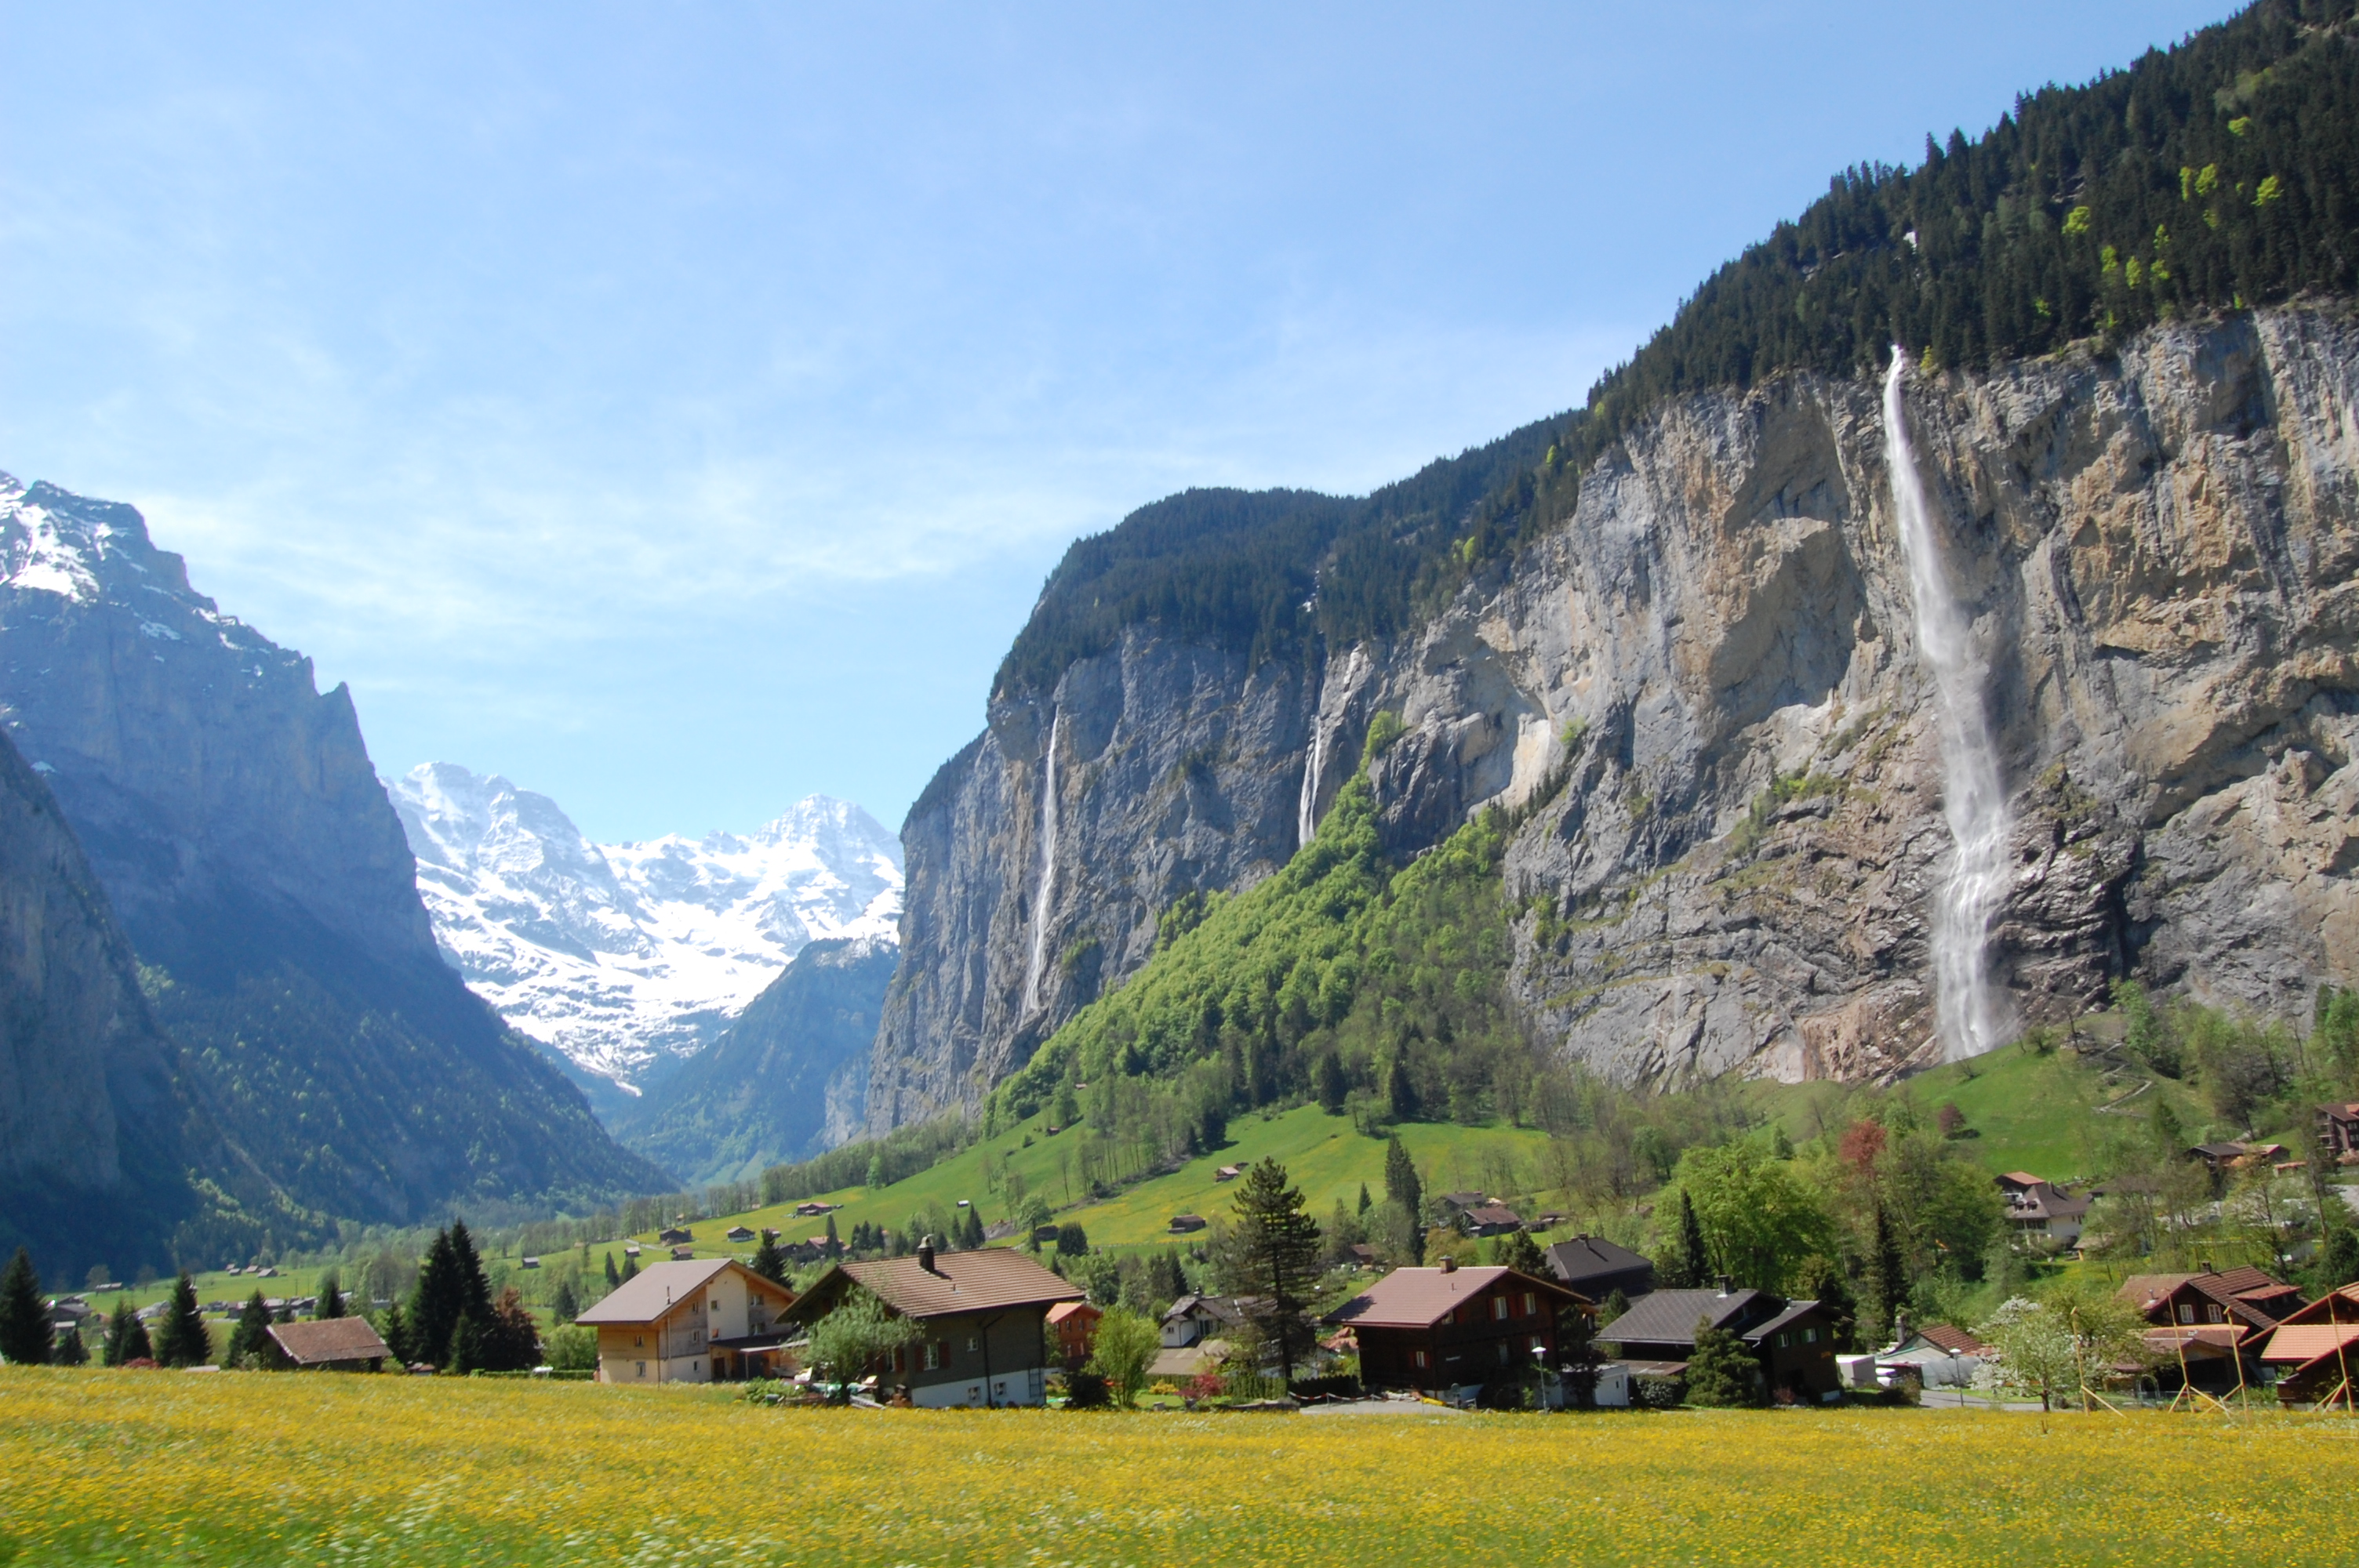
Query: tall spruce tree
{"x": 1277, "y": 1252}
{"x": 180, "y": 1338}
{"x": 1687, "y": 1265}
{"x": 615, "y": 1280}
{"x": 1402, "y": 1186}
{"x": 68, "y": 1350}
{"x": 769, "y": 1260}
{"x": 249, "y": 1341}
{"x": 564, "y": 1306}
{"x": 126, "y": 1336}
{"x": 1518, "y": 1252}
{"x": 24, "y": 1315}
{"x": 331, "y": 1297}
{"x": 1401, "y": 1091}
{"x": 630, "y": 1267}
{"x": 437, "y": 1302}
{"x": 833, "y": 1244}
{"x": 1887, "y": 1273}
{"x": 1365, "y": 1202}
{"x": 475, "y": 1288}
{"x": 393, "y": 1327}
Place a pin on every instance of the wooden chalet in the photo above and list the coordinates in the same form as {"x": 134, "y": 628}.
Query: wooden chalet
{"x": 1792, "y": 1340}
{"x": 1450, "y": 1327}
{"x": 1075, "y": 1324}
{"x": 984, "y": 1315}
{"x": 709, "y": 1320}
{"x": 2037, "y": 1207}
{"x": 2315, "y": 1350}
{"x": 2212, "y": 1322}
{"x": 2338, "y": 1134}
{"x": 1597, "y": 1268}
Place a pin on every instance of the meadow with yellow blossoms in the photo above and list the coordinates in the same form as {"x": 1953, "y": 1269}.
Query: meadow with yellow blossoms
{"x": 163, "y": 1468}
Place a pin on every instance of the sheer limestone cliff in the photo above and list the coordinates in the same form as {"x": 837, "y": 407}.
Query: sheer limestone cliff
{"x": 1702, "y": 697}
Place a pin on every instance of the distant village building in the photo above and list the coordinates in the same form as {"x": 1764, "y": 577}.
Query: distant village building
{"x": 1489, "y": 1220}
{"x": 1597, "y": 1268}
{"x": 694, "y": 1321}
{"x": 2338, "y": 1134}
{"x": 1435, "y": 1330}
{"x": 2035, "y": 1206}
{"x": 984, "y": 1315}
{"x": 739, "y": 1234}
{"x": 1193, "y": 1319}
{"x": 1075, "y": 1325}
{"x": 1181, "y": 1223}
{"x": 331, "y": 1345}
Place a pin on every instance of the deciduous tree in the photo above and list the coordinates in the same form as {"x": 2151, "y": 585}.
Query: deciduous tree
{"x": 1125, "y": 1344}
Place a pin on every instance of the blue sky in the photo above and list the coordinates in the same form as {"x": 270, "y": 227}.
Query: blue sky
{"x": 676, "y": 408}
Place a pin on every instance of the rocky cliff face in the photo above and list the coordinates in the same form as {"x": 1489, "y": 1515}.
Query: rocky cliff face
{"x": 1703, "y": 696}
{"x": 231, "y": 814}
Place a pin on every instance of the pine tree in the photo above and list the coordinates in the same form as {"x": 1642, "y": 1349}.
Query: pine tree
{"x": 769, "y": 1259}
{"x": 393, "y": 1327}
{"x": 1401, "y": 1092}
{"x": 564, "y": 1306}
{"x": 126, "y": 1336}
{"x": 466, "y": 1348}
{"x": 1365, "y": 1203}
{"x": 1888, "y": 1274}
{"x": 970, "y": 1237}
{"x": 249, "y": 1341}
{"x": 613, "y": 1279}
{"x": 1722, "y": 1372}
{"x": 630, "y": 1267}
{"x": 1169, "y": 1280}
{"x": 1278, "y": 1250}
{"x": 182, "y": 1340}
{"x": 1616, "y": 1304}
{"x": 437, "y": 1302}
{"x": 1688, "y": 1266}
{"x": 1402, "y": 1186}
{"x": 475, "y": 1297}
{"x": 833, "y": 1244}
{"x": 1518, "y": 1252}
{"x": 24, "y": 1315}
{"x": 68, "y": 1350}
{"x": 1328, "y": 1083}
{"x": 331, "y": 1297}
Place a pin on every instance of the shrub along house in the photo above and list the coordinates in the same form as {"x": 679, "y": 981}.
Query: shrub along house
{"x": 713, "y": 1320}
{"x": 1438, "y": 1330}
{"x": 983, "y": 1316}
{"x": 1792, "y": 1340}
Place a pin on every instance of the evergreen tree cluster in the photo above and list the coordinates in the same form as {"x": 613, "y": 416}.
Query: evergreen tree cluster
{"x": 2218, "y": 175}
{"x": 452, "y": 1320}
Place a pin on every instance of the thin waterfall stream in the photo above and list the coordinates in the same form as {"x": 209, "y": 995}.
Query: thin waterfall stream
{"x": 1305, "y": 815}
{"x": 1048, "y": 885}
{"x": 1970, "y": 1013}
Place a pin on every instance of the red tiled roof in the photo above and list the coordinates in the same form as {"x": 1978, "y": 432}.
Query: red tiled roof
{"x": 2304, "y": 1342}
{"x": 1064, "y": 1309}
{"x": 1419, "y": 1298}
{"x": 1956, "y": 1341}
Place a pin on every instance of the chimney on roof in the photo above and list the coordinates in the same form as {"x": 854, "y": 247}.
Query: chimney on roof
{"x": 1449, "y": 1264}
{"x": 1725, "y": 1284}
{"x": 2205, "y": 1267}
{"x": 926, "y": 1256}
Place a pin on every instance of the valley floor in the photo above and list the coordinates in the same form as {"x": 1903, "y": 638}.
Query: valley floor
{"x": 162, "y": 1467}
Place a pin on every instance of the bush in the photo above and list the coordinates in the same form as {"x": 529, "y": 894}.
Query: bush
{"x": 1343, "y": 1387}
{"x": 1087, "y": 1391}
{"x": 1657, "y": 1393}
{"x": 572, "y": 1349}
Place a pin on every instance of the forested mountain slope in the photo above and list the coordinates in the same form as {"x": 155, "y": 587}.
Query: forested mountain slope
{"x": 1672, "y": 629}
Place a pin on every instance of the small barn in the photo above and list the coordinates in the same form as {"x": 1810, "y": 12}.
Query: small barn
{"x": 331, "y": 1345}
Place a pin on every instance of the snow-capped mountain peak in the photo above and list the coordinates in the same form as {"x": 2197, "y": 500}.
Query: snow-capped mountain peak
{"x": 617, "y": 955}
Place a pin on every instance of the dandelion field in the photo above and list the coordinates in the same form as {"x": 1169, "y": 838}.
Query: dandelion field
{"x": 171, "y": 1468}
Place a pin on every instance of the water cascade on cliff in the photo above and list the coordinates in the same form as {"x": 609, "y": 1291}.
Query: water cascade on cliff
{"x": 1305, "y": 815}
{"x": 1971, "y": 1018}
{"x": 1047, "y": 888}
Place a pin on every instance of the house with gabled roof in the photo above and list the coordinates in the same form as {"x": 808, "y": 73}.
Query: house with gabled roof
{"x": 702, "y": 1321}
{"x": 2037, "y": 1207}
{"x": 2212, "y": 1322}
{"x": 981, "y": 1315}
{"x": 1597, "y": 1268}
{"x": 2315, "y": 1350}
{"x": 1793, "y": 1340}
{"x": 1448, "y": 1327}
{"x": 330, "y": 1344}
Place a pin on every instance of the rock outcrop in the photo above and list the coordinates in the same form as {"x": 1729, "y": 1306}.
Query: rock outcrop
{"x": 232, "y": 815}
{"x": 1701, "y": 694}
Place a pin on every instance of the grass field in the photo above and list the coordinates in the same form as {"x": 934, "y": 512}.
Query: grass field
{"x": 1323, "y": 1154}
{"x": 249, "y": 1467}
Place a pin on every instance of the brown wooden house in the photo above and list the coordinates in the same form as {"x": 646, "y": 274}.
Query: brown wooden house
{"x": 984, "y": 1315}
{"x": 2213, "y": 1322}
{"x": 2315, "y": 1351}
{"x": 1447, "y": 1328}
{"x": 1792, "y": 1340}
{"x": 330, "y": 1344}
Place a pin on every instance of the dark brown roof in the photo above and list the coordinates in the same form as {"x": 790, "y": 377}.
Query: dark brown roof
{"x": 960, "y": 1283}
{"x": 330, "y": 1339}
{"x": 1588, "y": 1257}
{"x": 1670, "y": 1317}
{"x": 1419, "y": 1298}
{"x": 1795, "y": 1312}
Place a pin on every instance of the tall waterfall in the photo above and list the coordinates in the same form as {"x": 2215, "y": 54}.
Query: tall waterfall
{"x": 1047, "y": 887}
{"x": 1972, "y": 1017}
{"x": 1306, "y": 815}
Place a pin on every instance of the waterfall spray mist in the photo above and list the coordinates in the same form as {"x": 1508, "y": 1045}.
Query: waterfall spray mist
{"x": 1048, "y": 885}
{"x": 1972, "y": 1017}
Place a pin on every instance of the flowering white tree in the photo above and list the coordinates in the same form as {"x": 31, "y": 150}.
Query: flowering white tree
{"x": 2061, "y": 1345}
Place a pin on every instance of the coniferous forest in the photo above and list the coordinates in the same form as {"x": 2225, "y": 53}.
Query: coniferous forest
{"x": 2217, "y": 176}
